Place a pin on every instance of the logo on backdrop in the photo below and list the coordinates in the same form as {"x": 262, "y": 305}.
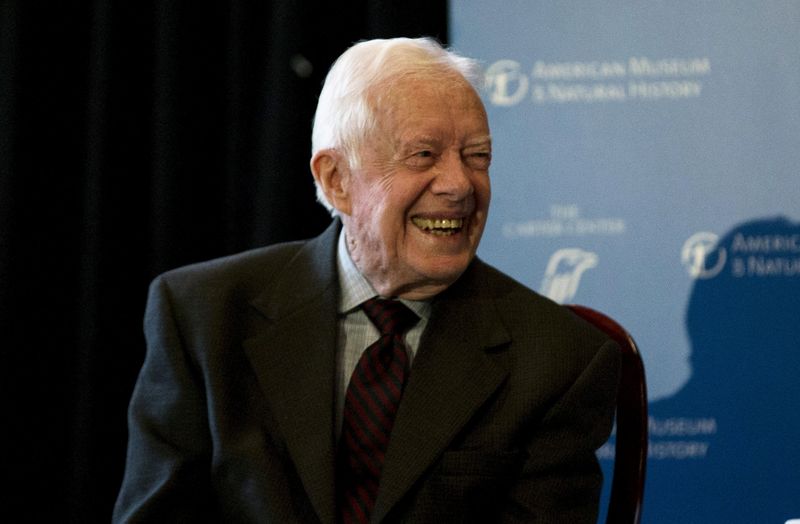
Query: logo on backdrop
{"x": 701, "y": 257}
{"x": 564, "y": 271}
{"x": 590, "y": 81}
{"x": 565, "y": 220}
{"x": 505, "y": 83}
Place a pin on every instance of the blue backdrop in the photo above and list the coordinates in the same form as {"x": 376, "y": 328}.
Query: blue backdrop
{"x": 646, "y": 164}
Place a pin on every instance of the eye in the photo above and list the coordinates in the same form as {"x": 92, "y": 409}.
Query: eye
{"x": 478, "y": 160}
{"x": 422, "y": 158}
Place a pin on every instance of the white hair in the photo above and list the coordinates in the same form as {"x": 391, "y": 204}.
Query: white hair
{"x": 346, "y": 107}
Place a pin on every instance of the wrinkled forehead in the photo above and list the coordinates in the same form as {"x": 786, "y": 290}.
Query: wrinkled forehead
{"x": 412, "y": 81}
{"x": 424, "y": 94}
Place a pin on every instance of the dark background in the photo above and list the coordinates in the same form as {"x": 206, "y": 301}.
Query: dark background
{"x": 136, "y": 137}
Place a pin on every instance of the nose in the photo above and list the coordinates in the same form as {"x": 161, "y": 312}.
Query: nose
{"x": 453, "y": 178}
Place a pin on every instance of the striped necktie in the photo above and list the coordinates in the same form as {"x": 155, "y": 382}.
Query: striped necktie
{"x": 371, "y": 402}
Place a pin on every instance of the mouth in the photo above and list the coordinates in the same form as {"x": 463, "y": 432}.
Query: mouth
{"x": 439, "y": 226}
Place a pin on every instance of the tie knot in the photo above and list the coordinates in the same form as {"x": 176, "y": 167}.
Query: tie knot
{"x": 389, "y": 316}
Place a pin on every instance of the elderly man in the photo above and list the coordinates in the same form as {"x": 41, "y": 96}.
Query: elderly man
{"x": 379, "y": 372}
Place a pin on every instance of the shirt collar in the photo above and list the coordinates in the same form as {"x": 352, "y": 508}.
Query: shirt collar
{"x": 355, "y": 289}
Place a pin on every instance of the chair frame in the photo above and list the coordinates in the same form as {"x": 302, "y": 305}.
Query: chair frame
{"x": 630, "y": 450}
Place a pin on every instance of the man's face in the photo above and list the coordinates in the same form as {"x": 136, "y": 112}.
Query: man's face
{"x": 419, "y": 199}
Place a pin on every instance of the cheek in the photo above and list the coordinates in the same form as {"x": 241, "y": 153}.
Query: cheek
{"x": 375, "y": 229}
{"x": 381, "y": 213}
{"x": 483, "y": 191}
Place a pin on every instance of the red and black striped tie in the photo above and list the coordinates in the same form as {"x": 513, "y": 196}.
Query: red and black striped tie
{"x": 370, "y": 405}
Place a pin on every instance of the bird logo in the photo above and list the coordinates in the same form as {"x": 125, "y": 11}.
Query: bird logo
{"x": 564, "y": 271}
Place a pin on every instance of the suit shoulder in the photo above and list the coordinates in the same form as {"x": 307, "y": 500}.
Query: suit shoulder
{"x": 509, "y": 293}
{"x": 522, "y": 307}
{"x": 254, "y": 267}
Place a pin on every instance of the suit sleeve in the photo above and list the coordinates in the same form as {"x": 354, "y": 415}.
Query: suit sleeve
{"x": 166, "y": 473}
{"x": 561, "y": 479}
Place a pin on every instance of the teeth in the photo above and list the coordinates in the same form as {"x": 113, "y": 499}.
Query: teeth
{"x": 439, "y": 225}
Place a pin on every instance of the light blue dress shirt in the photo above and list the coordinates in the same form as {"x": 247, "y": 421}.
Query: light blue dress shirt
{"x": 356, "y": 331}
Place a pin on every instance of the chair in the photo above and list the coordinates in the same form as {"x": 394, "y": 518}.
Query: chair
{"x": 627, "y": 488}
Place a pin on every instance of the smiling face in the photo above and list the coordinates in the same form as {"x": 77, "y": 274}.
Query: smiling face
{"x": 415, "y": 208}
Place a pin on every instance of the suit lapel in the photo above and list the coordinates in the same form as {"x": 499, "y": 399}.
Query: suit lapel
{"x": 294, "y": 359}
{"x": 452, "y": 376}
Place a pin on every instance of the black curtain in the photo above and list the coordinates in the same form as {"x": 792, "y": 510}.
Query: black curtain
{"x": 136, "y": 137}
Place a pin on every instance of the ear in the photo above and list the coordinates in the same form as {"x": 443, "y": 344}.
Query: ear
{"x": 332, "y": 174}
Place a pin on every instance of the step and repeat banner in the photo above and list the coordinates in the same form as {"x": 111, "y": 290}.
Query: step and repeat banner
{"x": 647, "y": 164}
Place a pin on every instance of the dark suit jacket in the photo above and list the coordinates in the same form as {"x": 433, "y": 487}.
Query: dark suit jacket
{"x": 232, "y": 416}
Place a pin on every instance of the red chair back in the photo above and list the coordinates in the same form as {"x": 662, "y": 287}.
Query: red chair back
{"x": 630, "y": 460}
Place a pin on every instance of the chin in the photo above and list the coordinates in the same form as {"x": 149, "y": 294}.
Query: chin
{"x": 446, "y": 271}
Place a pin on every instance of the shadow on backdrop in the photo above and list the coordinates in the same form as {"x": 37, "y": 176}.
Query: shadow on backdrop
{"x": 725, "y": 448}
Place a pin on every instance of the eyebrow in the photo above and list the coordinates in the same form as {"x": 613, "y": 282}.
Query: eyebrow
{"x": 480, "y": 141}
{"x": 421, "y": 139}
{"x": 432, "y": 140}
